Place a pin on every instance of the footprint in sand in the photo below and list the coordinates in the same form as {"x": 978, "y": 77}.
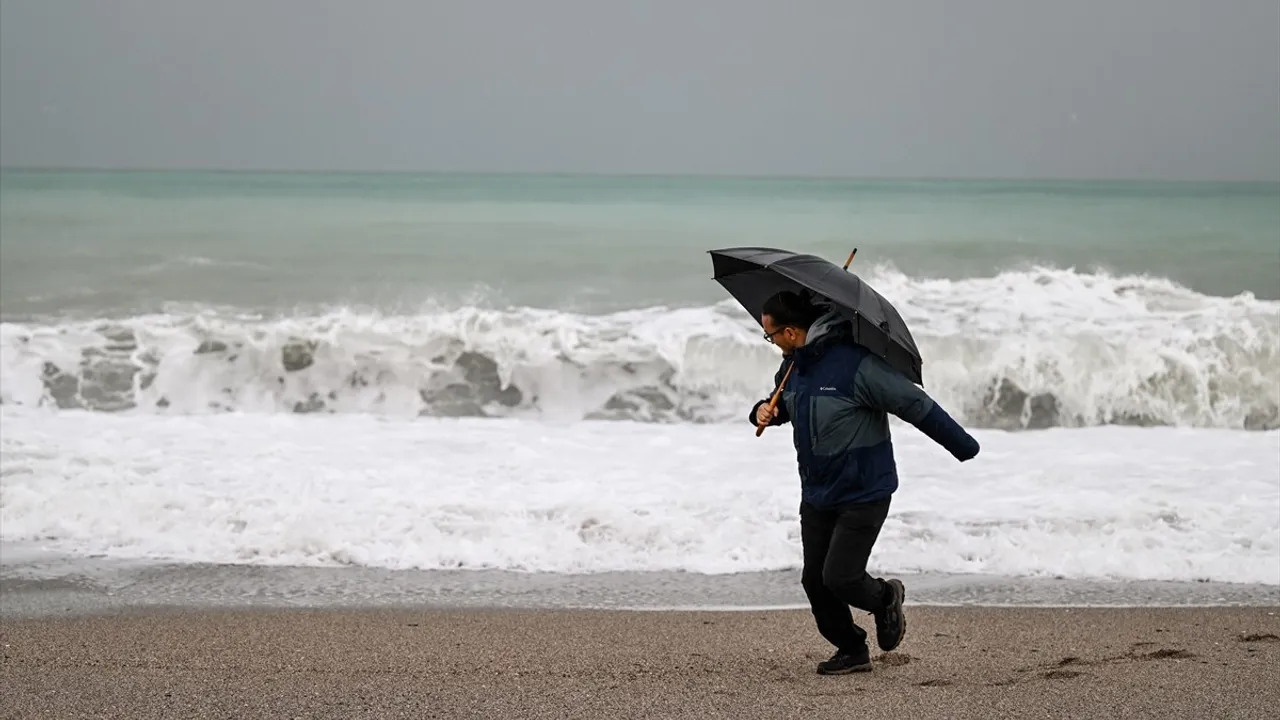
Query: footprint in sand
{"x": 1260, "y": 637}
{"x": 895, "y": 659}
{"x": 1057, "y": 670}
{"x": 1166, "y": 654}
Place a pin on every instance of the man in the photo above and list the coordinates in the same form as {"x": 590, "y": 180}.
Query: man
{"x": 837, "y": 399}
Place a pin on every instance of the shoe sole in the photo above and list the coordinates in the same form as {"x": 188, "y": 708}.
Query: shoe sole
{"x": 848, "y": 670}
{"x": 901, "y": 593}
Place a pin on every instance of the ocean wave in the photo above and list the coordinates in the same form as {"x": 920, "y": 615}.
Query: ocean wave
{"x": 1021, "y": 350}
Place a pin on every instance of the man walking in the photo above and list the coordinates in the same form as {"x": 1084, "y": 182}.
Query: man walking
{"x": 837, "y": 400}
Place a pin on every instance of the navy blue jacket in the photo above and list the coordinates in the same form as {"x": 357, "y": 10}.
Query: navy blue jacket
{"x": 837, "y": 400}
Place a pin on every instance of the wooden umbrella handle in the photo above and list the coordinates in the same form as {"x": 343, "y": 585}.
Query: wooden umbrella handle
{"x": 773, "y": 401}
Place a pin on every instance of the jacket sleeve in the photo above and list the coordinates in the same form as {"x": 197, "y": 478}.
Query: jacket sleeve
{"x": 782, "y": 417}
{"x": 879, "y": 386}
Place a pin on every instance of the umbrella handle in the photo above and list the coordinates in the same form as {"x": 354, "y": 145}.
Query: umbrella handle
{"x": 773, "y": 401}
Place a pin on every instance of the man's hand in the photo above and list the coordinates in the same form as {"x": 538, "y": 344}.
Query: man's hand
{"x": 765, "y": 415}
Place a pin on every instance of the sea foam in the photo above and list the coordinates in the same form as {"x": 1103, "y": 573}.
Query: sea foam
{"x": 1026, "y": 349}
{"x": 586, "y": 497}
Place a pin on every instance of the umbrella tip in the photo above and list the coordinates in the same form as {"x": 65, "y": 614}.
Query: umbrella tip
{"x": 850, "y": 260}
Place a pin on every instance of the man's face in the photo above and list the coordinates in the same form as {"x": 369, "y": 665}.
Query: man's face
{"x": 786, "y": 338}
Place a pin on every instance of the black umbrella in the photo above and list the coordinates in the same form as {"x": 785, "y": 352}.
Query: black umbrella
{"x": 753, "y": 274}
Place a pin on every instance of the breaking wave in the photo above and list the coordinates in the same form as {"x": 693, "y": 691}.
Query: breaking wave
{"x": 1021, "y": 350}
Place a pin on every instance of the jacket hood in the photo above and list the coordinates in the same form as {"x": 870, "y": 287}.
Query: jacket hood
{"x": 830, "y": 328}
{"x": 824, "y": 325}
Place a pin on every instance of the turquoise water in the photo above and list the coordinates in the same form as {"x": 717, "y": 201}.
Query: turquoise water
{"x": 122, "y": 243}
{"x": 1034, "y": 304}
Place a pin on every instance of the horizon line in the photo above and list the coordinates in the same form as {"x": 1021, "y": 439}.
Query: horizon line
{"x": 627, "y": 175}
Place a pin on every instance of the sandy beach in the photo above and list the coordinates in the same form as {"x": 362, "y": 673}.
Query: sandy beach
{"x": 955, "y": 663}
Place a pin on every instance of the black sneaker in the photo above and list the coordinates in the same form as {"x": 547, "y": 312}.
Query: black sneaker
{"x": 891, "y": 624}
{"x": 844, "y": 663}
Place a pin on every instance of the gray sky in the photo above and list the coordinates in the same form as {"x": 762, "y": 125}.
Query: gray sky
{"x": 922, "y": 88}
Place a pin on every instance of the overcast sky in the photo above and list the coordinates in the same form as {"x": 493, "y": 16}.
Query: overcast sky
{"x": 915, "y": 88}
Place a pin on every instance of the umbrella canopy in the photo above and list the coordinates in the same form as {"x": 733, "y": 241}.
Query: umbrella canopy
{"x": 754, "y": 274}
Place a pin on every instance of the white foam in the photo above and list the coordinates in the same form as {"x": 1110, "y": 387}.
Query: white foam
{"x": 1107, "y": 348}
{"x": 1031, "y": 348}
{"x": 1148, "y": 503}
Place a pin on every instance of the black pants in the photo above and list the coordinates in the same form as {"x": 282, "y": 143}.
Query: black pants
{"x": 837, "y": 544}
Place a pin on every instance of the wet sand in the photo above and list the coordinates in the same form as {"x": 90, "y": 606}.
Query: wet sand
{"x": 468, "y": 663}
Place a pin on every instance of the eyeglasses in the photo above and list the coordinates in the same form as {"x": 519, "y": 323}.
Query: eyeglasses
{"x": 769, "y": 336}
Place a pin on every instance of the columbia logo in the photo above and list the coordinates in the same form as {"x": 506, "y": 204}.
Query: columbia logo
{"x": 827, "y": 389}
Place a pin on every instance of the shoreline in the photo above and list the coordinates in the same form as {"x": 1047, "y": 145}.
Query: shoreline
{"x": 36, "y": 585}
{"x": 503, "y": 663}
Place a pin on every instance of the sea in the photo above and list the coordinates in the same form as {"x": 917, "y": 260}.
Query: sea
{"x": 294, "y": 388}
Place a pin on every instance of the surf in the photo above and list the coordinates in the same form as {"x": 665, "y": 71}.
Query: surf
{"x": 1026, "y": 349}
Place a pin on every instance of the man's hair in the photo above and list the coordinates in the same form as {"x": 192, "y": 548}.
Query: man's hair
{"x": 790, "y": 310}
